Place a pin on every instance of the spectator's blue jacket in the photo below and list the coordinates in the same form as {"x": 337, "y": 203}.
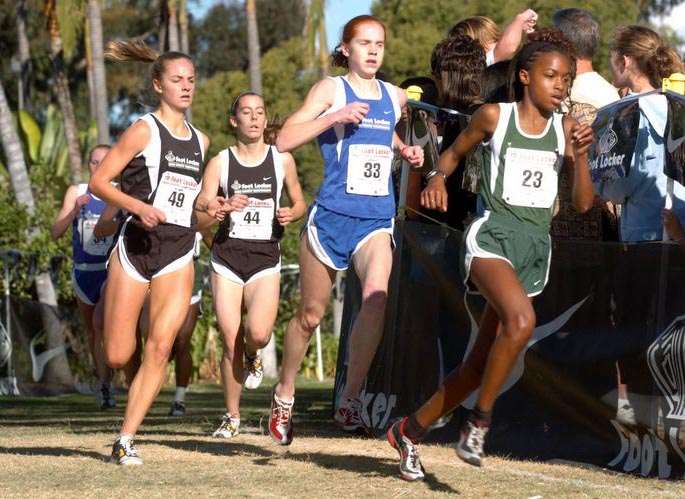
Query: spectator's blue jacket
{"x": 642, "y": 193}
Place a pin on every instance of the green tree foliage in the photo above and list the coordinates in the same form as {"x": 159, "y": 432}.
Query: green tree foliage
{"x": 415, "y": 26}
{"x": 40, "y": 78}
{"x": 285, "y": 86}
{"x": 210, "y": 107}
{"x": 13, "y": 228}
{"x": 221, "y": 38}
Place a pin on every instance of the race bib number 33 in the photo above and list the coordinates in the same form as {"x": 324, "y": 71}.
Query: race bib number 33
{"x": 530, "y": 178}
{"x": 368, "y": 169}
{"x": 175, "y": 196}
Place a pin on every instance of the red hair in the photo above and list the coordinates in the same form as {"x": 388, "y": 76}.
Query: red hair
{"x": 350, "y": 31}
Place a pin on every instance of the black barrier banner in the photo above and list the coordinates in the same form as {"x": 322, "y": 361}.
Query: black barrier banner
{"x": 615, "y": 129}
{"x": 609, "y": 310}
{"x": 40, "y": 360}
{"x": 674, "y": 165}
{"x": 421, "y": 129}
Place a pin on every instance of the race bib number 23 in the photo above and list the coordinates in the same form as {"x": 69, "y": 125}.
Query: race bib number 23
{"x": 530, "y": 178}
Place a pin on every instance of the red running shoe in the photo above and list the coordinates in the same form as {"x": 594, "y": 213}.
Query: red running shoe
{"x": 348, "y": 415}
{"x": 281, "y": 420}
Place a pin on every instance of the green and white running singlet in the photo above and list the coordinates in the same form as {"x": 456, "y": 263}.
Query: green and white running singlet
{"x": 518, "y": 178}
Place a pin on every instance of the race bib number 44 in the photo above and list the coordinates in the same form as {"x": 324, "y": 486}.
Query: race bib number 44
{"x": 175, "y": 196}
{"x": 255, "y": 221}
{"x": 530, "y": 178}
{"x": 368, "y": 169}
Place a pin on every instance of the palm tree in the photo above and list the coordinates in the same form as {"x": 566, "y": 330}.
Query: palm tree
{"x": 90, "y": 78}
{"x": 172, "y": 9}
{"x": 58, "y": 369}
{"x": 99, "y": 89}
{"x": 24, "y": 55}
{"x": 253, "y": 46}
{"x": 16, "y": 166}
{"x": 163, "y": 26}
{"x": 269, "y": 358}
{"x": 183, "y": 26}
{"x": 314, "y": 34}
{"x": 62, "y": 89}
{"x": 185, "y": 44}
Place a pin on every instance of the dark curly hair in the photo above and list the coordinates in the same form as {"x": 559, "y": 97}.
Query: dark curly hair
{"x": 459, "y": 63}
{"x": 543, "y": 41}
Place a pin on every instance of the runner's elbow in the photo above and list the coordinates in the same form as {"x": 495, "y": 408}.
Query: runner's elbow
{"x": 283, "y": 142}
{"x": 583, "y": 205}
{"x": 94, "y": 187}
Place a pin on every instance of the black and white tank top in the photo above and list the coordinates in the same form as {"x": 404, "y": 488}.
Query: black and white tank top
{"x": 262, "y": 183}
{"x": 168, "y": 172}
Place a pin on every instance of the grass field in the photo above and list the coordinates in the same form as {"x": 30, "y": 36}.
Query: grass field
{"x": 59, "y": 446}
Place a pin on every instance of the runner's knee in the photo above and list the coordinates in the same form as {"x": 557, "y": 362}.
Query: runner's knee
{"x": 116, "y": 358}
{"x": 375, "y": 300}
{"x": 158, "y": 350}
{"x": 520, "y": 325}
{"x": 260, "y": 339}
{"x": 309, "y": 318}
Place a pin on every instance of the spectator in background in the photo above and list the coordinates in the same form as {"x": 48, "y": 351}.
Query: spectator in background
{"x": 639, "y": 60}
{"x": 457, "y": 66}
{"x": 496, "y": 82}
{"x": 589, "y": 92}
{"x": 498, "y": 45}
{"x": 426, "y": 136}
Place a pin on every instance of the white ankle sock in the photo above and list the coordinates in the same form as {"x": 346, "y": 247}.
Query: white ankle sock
{"x": 125, "y": 437}
{"x": 180, "y": 394}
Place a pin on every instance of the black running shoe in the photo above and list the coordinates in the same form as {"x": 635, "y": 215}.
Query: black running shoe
{"x": 177, "y": 409}
{"x": 124, "y": 453}
{"x": 105, "y": 398}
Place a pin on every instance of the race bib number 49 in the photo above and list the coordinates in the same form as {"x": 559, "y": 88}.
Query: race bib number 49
{"x": 175, "y": 196}
{"x": 368, "y": 169}
{"x": 255, "y": 221}
{"x": 530, "y": 178}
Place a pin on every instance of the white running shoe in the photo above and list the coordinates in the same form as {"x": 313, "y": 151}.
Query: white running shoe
{"x": 253, "y": 372}
{"x": 471, "y": 443}
{"x": 410, "y": 463}
{"x": 348, "y": 415}
{"x": 625, "y": 414}
{"x": 228, "y": 428}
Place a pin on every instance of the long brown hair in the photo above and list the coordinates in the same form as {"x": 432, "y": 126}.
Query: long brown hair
{"x": 653, "y": 58}
{"x": 480, "y": 28}
{"x": 459, "y": 63}
{"x": 129, "y": 51}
